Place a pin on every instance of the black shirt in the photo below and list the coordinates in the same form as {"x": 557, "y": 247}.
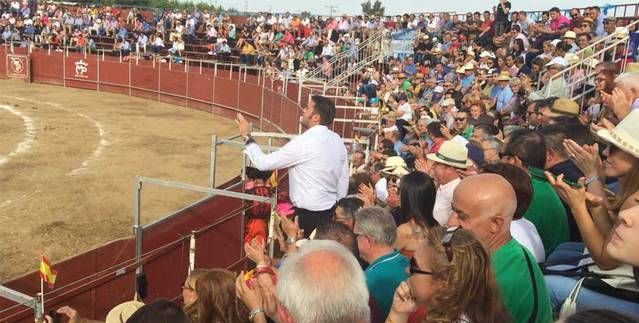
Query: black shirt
{"x": 501, "y": 14}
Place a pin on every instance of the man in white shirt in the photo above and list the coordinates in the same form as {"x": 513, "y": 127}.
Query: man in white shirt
{"x": 316, "y": 160}
{"x": 451, "y": 157}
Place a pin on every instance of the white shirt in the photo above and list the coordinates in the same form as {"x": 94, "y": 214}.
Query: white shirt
{"x": 317, "y": 167}
{"x": 443, "y": 201}
{"x": 526, "y": 234}
{"x": 408, "y": 112}
{"x": 381, "y": 191}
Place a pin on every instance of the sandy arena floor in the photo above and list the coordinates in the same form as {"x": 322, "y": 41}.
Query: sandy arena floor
{"x": 68, "y": 160}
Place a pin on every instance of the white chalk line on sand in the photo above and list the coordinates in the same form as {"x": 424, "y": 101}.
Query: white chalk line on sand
{"x": 103, "y": 135}
{"x": 29, "y": 135}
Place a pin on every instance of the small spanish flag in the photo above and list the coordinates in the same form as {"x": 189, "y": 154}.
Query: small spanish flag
{"x": 273, "y": 180}
{"x": 47, "y": 274}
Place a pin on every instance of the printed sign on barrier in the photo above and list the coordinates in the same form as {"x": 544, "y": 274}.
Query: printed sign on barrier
{"x": 17, "y": 66}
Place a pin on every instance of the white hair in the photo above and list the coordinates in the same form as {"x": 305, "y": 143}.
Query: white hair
{"x": 628, "y": 80}
{"x": 323, "y": 283}
{"x": 377, "y": 224}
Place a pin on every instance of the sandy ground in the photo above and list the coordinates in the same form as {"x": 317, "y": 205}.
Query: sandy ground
{"x": 71, "y": 188}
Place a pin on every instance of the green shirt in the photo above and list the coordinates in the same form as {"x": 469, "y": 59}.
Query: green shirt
{"x": 382, "y": 278}
{"x": 468, "y": 133}
{"x": 513, "y": 277}
{"x": 546, "y": 212}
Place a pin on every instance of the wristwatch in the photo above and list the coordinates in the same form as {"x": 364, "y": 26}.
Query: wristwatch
{"x": 591, "y": 179}
{"x": 254, "y": 313}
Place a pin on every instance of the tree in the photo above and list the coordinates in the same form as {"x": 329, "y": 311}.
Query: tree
{"x": 373, "y": 9}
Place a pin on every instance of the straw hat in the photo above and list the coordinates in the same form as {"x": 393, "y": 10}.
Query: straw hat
{"x": 632, "y": 68}
{"x": 570, "y": 34}
{"x": 572, "y": 58}
{"x": 448, "y": 102}
{"x": 453, "y": 154}
{"x": 625, "y": 135}
{"x": 395, "y": 165}
{"x": 503, "y": 76}
{"x": 460, "y": 70}
{"x": 469, "y": 66}
{"x": 121, "y": 313}
{"x": 562, "y": 107}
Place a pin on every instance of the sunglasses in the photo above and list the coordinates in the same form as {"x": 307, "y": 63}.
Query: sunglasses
{"x": 503, "y": 154}
{"x": 414, "y": 269}
{"x": 460, "y": 119}
{"x": 448, "y": 237}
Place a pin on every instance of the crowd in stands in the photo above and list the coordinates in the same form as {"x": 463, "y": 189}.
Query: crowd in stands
{"x": 491, "y": 196}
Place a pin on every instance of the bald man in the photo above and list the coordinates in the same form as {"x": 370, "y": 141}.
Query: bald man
{"x": 488, "y": 212}
{"x": 627, "y": 86}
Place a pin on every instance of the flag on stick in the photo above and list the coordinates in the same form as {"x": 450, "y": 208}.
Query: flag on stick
{"x": 47, "y": 274}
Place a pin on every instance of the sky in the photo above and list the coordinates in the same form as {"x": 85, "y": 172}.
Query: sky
{"x": 321, "y": 7}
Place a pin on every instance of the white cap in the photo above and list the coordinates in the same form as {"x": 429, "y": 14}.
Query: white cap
{"x": 438, "y": 89}
{"x": 558, "y": 61}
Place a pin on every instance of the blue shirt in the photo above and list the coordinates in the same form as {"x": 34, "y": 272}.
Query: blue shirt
{"x": 503, "y": 98}
{"x": 467, "y": 82}
{"x": 410, "y": 69}
{"x": 382, "y": 278}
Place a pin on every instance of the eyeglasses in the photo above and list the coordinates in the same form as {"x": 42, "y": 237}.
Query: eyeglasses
{"x": 448, "y": 237}
{"x": 460, "y": 119}
{"x": 414, "y": 269}
{"x": 502, "y": 155}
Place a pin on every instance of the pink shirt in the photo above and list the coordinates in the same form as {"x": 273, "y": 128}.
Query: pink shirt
{"x": 559, "y": 23}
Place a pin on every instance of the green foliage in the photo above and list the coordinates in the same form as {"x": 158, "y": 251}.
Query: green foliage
{"x": 373, "y": 9}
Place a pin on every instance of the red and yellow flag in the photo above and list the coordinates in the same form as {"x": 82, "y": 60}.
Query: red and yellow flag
{"x": 273, "y": 180}
{"x": 47, "y": 274}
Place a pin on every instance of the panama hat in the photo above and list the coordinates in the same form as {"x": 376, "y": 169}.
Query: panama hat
{"x": 625, "y": 135}
{"x": 121, "y": 313}
{"x": 395, "y": 165}
{"x": 503, "y": 76}
{"x": 453, "y": 154}
{"x": 460, "y": 70}
{"x": 570, "y": 34}
{"x": 572, "y": 58}
{"x": 558, "y": 61}
{"x": 448, "y": 102}
{"x": 469, "y": 66}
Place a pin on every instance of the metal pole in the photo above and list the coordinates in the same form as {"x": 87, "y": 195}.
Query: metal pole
{"x": 213, "y": 161}
{"x": 137, "y": 228}
{"x": 192, "y": 252}
{"x": 64, "y": 71}
{"x": 271, "y": 227}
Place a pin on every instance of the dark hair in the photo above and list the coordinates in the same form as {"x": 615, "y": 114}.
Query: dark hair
{"x": 434, "y": 129}
{"x": 528, "y": 146}
{"x": 350, "y": 205}
{"x": 489, "y": 129}
{"x": 356, "y": 180}
{"x": 580, "y": 133}
{"x": 554, "y": 136}
{"x": 520, "y": 181}
{"x": 600, "y": 316}
{"x": 159, "y": 311}
{"x": 338, "y": 232}
{"x": 555, "y": 9}
{"x": 325, "y": 108}
{"x": 417, "y": 199}
{"x": 387, "y": 144}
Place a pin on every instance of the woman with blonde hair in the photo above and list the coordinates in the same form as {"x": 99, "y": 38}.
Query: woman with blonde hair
{"x": 452, "y": 278}
{"x": 189, "y": 295}
{"x": 216, "y": 301}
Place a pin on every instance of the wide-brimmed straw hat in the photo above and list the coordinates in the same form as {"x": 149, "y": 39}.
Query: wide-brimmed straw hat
{"x": 453, "y": 154}
{"x": 122, "y": 312}
{"x": 395, "y": 165}
{"x": 625, "y": 135}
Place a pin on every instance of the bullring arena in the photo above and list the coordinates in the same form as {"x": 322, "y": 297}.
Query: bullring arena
{"x": 70, "y": 159}
{"x": 74, "y": 140}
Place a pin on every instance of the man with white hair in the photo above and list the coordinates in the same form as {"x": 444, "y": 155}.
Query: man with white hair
{"x": 322, "y": 282}
{"x": 376, "y": 233}
{"x": 625, "y": 96}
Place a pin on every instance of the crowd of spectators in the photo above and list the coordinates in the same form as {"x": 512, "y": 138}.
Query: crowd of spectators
{"x": 491, "y": 196}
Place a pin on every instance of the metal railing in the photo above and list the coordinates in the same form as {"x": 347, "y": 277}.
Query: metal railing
{"x": 579, "y": 75}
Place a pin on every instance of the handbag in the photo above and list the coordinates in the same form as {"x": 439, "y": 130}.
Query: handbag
{"x": 569, "y": 306}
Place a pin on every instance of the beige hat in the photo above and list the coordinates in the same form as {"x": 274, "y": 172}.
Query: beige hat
{"x": 572, "y": 58}
{"x": 562, "y": 107}
{"x": 469, "y": 66}
{"x": 448, "y": 102}
{"x": 632, "y": 67}
{"x": 503, "y": 76}
{"x": 123, "y": 312}
{"x": 625, "y": 135}
{"x": 460, "y": 70}
{"x": 621, "y": 32}
{"x": 570, "y": 34}
{"x": 452, "y": 153}
{"x": 395, "y": 165}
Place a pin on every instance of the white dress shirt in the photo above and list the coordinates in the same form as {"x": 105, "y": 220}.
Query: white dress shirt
{"x": 526, "y": 234}
{"x": 317, "y": 167}
{"x": 443, "y": 201}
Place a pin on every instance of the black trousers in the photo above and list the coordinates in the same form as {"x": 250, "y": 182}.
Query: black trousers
{"x": 310, "y": 220}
